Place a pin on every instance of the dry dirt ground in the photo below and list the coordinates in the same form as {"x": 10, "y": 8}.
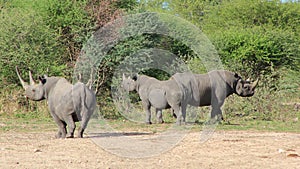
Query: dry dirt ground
{"x": 225, "y": 150}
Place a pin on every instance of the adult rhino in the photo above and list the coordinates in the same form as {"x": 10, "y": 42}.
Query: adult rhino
{"x": 153, "y": 93}
{"x": 210, "y": 89}
{"x": 67, "y": 103}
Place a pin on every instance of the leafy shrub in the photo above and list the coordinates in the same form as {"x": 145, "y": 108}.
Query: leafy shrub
{"x": 27, "y": 42}
{"x": 258, "y": 50}
{"x": 72, "y": 24}
{"x": 255, "y": 36}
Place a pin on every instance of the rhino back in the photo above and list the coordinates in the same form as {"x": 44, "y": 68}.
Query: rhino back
{"x": 60, "y": 98}
{"x": 65, "y": 99}
{"x": 84, "y": 100}
{"x": 145, "y": 84}
{"x": 189, "y": 87}
{"x": 159, "y": 93}
{"x": 83, "y": 95}
{"x": 201, "y": 89}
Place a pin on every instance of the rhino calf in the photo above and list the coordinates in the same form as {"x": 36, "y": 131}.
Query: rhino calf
{"x": 154, "y": 93}
{"x": 67, "y": 103}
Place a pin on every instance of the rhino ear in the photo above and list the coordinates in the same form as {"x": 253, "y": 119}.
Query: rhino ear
{"x": 43, "y": 80}
{"x": 236, "y": 76}
{"x": 135, "y": 77}
{"x": 254, "y": 84}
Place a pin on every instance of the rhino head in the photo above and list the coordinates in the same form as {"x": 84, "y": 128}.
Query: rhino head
{"x": 129, "y": 84}
{"x": 245, "y": 88}
{"x": 33, "y": 91}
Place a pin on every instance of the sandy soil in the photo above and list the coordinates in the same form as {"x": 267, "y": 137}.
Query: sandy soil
{"x": 225, "y": 149}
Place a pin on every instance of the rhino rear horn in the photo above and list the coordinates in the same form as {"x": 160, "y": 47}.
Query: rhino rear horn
{"x": 254, "y": 84}
{"x": 32, "y": 82}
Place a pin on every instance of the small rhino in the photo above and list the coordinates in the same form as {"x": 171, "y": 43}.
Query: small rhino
{"x": 67, "y": 103}
{"x": 153, "y": 93}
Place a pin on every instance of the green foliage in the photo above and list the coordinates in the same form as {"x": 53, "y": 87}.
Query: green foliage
{"x": 257, "y": 50}
{"x": 72, "y": 24}
{"x": 27, "y": 42}
{"x": 255, "y": 36}
{"x": 251, "y": 13}
{"x": 126, "y": 5}
{"x": 45, "y": 36}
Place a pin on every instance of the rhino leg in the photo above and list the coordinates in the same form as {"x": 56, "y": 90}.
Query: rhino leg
{"x": 173, "y": 113}
{"x": 159, "y": 116}
{"x": 84, "y": 122}
{"x": 62, "y": 131}
{"x": 178, "y": 112}
{"x": 147, "y": 106}
{"x": 183, "y": 111}
{"x": 216, "y": 113}
{"x": 71, "y": 126}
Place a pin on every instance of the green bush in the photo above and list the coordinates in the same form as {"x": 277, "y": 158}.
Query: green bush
{"x": 28, "y": 43}
{"x": 42, "y": 36}
{"x": 258, "y": 50}
{"x": 73, "y": 25}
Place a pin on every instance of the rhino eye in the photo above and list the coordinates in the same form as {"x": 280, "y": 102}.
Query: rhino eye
{"x": 246, "y": 87}
{"x": 33, "y": 90}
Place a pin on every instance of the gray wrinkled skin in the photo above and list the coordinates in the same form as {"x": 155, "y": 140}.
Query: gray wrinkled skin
{"x": 158, "y": 94}
{"x": 67, "y": 103}
{"x": 184, "y": 89}
{"x": 210, "y": 89}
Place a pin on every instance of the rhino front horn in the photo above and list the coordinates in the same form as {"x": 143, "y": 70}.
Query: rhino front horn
{"x": 254, "y": 84}
{"x": 24, "y": 84}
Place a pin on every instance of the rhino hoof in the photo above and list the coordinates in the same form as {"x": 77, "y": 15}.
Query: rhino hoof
{"x": 59, "y": 135}
{"x": 70, "y": 136}
{"x": 180, "y": 123}
{"x": 149, "y": 122}
{"x": 161, "y": 122}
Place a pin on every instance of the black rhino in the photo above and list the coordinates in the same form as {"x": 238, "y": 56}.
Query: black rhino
{"x": 67, "y": 103}
{"x": 210, "y": 89}
{"x": 153, "y": 92}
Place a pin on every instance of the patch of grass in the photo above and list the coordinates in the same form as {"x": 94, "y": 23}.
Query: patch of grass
{"x": 237, "y": 123}
{"x": 9, "y": 124}
{"x": 43, "y": 125}
{"x": 261, "y": 125}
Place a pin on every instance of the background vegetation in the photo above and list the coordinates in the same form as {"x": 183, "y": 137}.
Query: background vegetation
{"x": 257, "y": 38}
